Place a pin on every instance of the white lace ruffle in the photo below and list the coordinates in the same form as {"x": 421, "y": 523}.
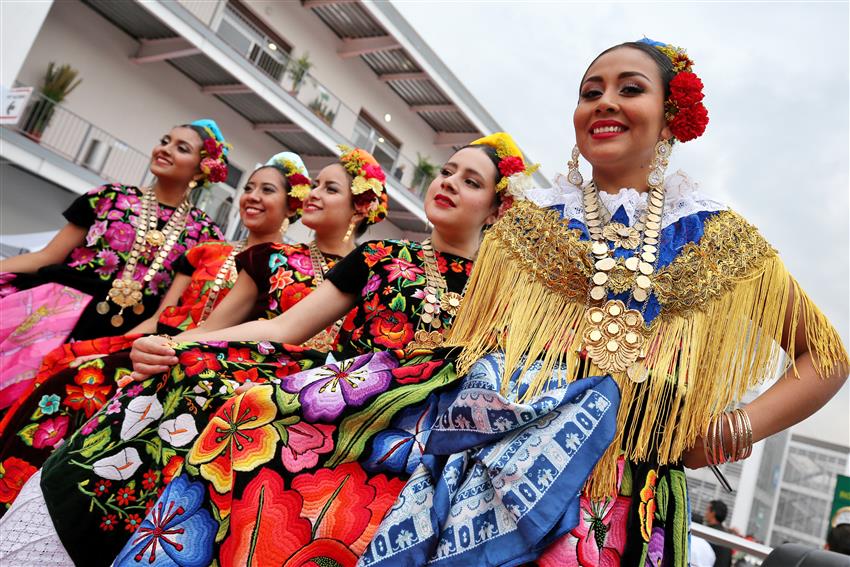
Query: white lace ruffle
{"x": 27, "y": 535}
{"x": 682, "y": 198}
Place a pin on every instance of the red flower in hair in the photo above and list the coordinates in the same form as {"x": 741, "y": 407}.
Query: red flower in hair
{"x": 510, "y": 165}
{"x": 689, "y": 122}
{"x": 364, "y": 200}
{"x": 215, "y": 171}
{"x": 212, "y": 148}
{"x": 686, "y": 90}
{"x": 374, "y": 171}
{"x": 298, "y": 179}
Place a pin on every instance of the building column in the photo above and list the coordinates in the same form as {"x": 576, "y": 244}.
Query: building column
{"x": 20, "y": 22}
{"x": 746, "y": 490}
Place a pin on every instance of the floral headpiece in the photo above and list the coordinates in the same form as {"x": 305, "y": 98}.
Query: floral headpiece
{"x": 368, "y": 188}
{"x": 684, "y": 110}
{"x": 214, "y": 153}
{"x": 293, "y": 168}
{"x": 515, "y": 175}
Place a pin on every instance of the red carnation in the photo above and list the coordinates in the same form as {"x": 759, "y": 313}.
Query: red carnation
{"x": 689, "y": 122}
{"x": 294, "y": 204}
{"x": 363, "y": 200}
{"x": 374, "y": 171}
{"x": 510, "y": 165}
{"x": 686, "y": 90}
{"x": 215, "y": 171}
{"x": 298, "y": 179}
{"x": 212, "y": 148}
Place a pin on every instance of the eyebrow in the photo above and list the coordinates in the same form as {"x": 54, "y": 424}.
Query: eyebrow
{"x": 466, "y": 170}
{"x": 623, "y": 75}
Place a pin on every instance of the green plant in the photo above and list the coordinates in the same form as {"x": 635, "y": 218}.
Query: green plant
{"x": 59, "y": 82}
{"x": 424, "y": 172}
{"x": 320, "y": 108}
{"x": 298, "y": 70}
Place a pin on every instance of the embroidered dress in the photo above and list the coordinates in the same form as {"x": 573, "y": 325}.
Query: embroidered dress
{"x": 78, "y": 378}
{"x": 109, "y": 213}
{"x": 154, "y": 424}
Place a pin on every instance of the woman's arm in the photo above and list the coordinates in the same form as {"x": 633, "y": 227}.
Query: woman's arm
{"x": 68, "y": 238}
{"x": 232, "y": 310}
{"x": 172, "y": 297}
{"x": 792, "y": 398}
{"x": 151, "y": 355}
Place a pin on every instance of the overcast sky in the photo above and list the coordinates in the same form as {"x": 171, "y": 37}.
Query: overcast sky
{"x": 776, "y": 83}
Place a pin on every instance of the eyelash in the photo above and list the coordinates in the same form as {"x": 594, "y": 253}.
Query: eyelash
{"x": 446, "y": 173}
{"x": 627, "y": 89}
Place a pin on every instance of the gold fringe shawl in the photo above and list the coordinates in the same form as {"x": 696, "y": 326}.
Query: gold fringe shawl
{"x": 723, "y": 307}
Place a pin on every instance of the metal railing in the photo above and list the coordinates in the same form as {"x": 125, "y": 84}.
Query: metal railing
{"x": 752, "y": 550}
{"x": 311, "y": 93}
{"x": 76, "y": 139}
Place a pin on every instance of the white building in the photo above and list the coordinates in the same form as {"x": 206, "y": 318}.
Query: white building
{"x": 146, "y": 66}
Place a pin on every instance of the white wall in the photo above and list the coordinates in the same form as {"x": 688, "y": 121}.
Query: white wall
{"x": 19, "y": 24}
{"x": 136, "y": 103}
{"x": 349, "y": 79}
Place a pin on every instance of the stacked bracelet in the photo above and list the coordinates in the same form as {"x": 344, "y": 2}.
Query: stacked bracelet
{"x": 740, "y": 443}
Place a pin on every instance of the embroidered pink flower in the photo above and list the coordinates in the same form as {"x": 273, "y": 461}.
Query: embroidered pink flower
{"x": 159, "y": 281}
{"x": 120, "y": 236}
{"x": 97, "y": 230}
{"x": 110, "y": 262}
{"x": 81, "y": 256}
{"x": 50, "y": 432}
{"x": 115, "y": 214}
{"x": 104, "y": 204}
{"x": 373, "y": 284}
{"x": 301, "y": 263}
{"x": 399, "y": 268}
{"x": 304, "y": 443}
{"x": 601, "y": 531}
{"x": 90, "y": 426}
{"x": 124, "y": 202}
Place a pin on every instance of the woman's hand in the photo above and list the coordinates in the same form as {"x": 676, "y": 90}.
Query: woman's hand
{"x": 694, "y": 458}
{"x": 151, "y": 355}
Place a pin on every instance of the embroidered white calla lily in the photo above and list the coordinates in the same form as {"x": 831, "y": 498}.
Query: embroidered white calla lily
{"x": 178, "y": 431}
{"x": 139, "y": 414}
{"x": 120, "y": 466}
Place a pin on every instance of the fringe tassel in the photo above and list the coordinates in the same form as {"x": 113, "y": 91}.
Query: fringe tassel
{"x": 724, "y": 348}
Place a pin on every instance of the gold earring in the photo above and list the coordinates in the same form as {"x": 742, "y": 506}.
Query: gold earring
{"x": 350, "y": 230}
{"x": 573, "y": 174}
{"x": 663, "y": 149}
{"x": 193, "y": 184}
{"x": 284, "y": 226}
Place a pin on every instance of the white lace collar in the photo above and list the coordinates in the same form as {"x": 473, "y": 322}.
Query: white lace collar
{"x": 682, "y": 198}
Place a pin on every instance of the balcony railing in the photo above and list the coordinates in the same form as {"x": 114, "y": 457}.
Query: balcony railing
{"x": 310, "y": 92}
{"x": 76, "y": 139}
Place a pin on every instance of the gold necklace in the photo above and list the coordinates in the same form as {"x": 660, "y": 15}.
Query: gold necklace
{"x": 437, "y": 299}
{"x": 616, "y": 336}
{"x": 225, "y": 273}
{"x": 323, "y": 342}
{"x": 126, "y": 291}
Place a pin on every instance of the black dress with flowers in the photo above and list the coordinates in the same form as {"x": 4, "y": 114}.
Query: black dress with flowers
{"x": 109, "y": 214}
{"x": 103, "y": 480}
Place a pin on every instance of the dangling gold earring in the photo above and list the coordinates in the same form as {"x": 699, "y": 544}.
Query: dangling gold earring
{"x": 284, "y": 226}
{"x": 655, "y": 179}
{"x": 350, "y": 230}
{"x": 192, "y": 184}
{"x": 573, "y": 174}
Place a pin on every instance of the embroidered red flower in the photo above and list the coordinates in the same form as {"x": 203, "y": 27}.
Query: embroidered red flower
{"x": 510, "y": 165}
{"x": 690, "y": 122}
{"x": 14, "y": 472}
{"x": 415, "y": 373}
{"x": 149, "y": 479}
{"x": 101, "y": 487}
{"x": 90, "y": 394}
{"x": 195, "y": 361}
{"x": 132, "y": 523}
{"x": 125, "y": 496}
{"x": 686, "y": 89}
{"x": 391, "y": 329}
{"x": 375, "y": 252}
{"x": 280, "y": 279}
{"x": 108, "y": 522}
{"x": 250, "y": 375}
{"x": 292, "y": 294}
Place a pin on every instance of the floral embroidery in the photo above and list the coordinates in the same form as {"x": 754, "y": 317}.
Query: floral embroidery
{"x": 14, "y": 472}
{"x": 646, "y": 508}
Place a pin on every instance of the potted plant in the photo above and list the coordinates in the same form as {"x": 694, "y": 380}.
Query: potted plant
{"x": 320, "y": 108}
{"x": 58, "y": 83}
{"x": 298, "y": 71}
{"x": 425, "y": 171}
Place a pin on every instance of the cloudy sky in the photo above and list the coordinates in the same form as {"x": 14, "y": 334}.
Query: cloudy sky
{"x": 776, "y": 77}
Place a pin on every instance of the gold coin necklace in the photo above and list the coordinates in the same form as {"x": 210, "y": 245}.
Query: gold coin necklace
{"x": 615, "y": 337}
{"x": 437, "y": 300}
{"x": 226, "y": 273}
{"x": 323, "y": 342}
{"x": 127, "y": 291}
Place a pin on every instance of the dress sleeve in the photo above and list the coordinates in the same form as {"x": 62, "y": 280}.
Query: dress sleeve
{"x": 185, "y": 264}
{"x": 255, "y": 262}
{"x": 351, "y": 273}
{"x": 81, "y": 211}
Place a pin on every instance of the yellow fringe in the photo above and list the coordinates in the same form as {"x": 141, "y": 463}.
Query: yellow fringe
{"x": 518, "y": 303}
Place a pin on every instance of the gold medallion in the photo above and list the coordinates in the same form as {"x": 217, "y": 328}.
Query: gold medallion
{"x": 614, "y": 336}
{"x": 102, "y": 308}
{"x": 117, "y": 320}
{"x": 155, "y": 238}
{"x": 138, "y": 309}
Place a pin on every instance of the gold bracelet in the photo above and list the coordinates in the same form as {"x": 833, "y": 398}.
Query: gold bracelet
{"x": 748, "y": 438}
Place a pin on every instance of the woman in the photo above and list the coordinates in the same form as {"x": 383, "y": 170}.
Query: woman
{"x": 118, "y": 238}
{"x": 77, "y": 379}
{"x": 656, "y": 287}
{"x": 459, "y": 203}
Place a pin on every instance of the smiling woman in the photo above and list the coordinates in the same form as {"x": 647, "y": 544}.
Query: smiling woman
{"x": 108, "y": 268}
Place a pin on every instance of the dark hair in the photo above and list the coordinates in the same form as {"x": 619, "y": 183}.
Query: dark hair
{"x": 720, "y": 510}
{"x": 665, "y": 66}
{"x": 203, "y": 134}
{"x": 363, "y": 225}
{"x": 838, "y": 539}
{"x": 490, "y": 151}
{"x": 286, "y": 185}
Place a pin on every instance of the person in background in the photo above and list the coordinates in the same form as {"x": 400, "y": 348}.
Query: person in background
{"x": 838, "y": 539}
{"x": 715, "y": 515}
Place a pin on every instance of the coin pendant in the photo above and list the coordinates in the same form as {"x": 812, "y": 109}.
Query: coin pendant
{"x": 138, "y": 308}
{"x": 102, "y": 308}
{"x": 117, "y": 320}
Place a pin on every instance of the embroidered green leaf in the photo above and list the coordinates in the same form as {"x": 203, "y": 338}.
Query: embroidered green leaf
{"x": 223, "y": 528}
{"x": 36, "y": 415}
{"x": 27, "y": 433}
{"x": 287, "y": 403}
{"x": 257, "y": 356}
{"x": 404, "y": 253}
{"x": 177, "y": 373}
{"x": 662, "y": 495}
{"x": 191, "y": 469}
{"x": 154, "y": 449}
{"x": 281, "y": 426}
{"x": 357, "y": 429}
{"x": 681, "y": 520}
{"x": 398, "y": 303}
{"x": 94, "y": 443}
{"x": 626, "y": 484}
{"x": 167, "y": 453}
{"x": 172, "y": 399}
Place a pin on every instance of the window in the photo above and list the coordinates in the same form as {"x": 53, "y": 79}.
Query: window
{"x": 377, "y": 141}
{"x": 245, "y": 33}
